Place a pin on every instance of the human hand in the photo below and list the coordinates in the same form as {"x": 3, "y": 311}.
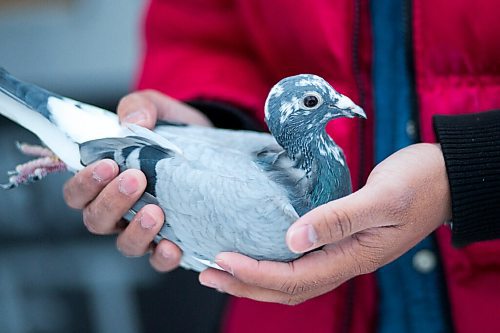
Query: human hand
{"x": 105, "y": 196}
{"x": 405, "y": 198}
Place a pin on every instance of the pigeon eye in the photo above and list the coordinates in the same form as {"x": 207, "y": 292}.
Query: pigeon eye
{"x": 310, "y": 101}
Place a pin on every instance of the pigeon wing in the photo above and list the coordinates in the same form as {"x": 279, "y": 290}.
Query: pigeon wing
{"x": 223, "y": 201}
{"x": 240, "y": 140}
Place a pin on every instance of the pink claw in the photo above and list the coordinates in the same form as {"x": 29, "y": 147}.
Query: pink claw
{"x": 34, "y": 150}
{"x": 36, "y": 169}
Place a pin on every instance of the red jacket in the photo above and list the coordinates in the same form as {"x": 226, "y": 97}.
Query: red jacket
{"x": 234, "y": 51}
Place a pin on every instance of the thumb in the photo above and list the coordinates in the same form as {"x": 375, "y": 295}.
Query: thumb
{"x": 332, "y": 222}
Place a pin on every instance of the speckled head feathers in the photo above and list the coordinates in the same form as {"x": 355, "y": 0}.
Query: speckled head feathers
{"x": 306, "y": 101}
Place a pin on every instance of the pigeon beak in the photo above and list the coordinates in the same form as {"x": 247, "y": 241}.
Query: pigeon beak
{"x": 358, "y": 112}
{"x": 348, "y": 108}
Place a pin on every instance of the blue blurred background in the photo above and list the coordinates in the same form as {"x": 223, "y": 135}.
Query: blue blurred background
{"x": 54, "y": 275}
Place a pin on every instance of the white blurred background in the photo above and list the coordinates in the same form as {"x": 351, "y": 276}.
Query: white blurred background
{"x": 54, "y": 275}
{"x": 82, "y": 48}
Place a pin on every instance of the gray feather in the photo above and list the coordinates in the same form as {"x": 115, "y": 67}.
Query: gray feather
{"x": 31, "y": 95}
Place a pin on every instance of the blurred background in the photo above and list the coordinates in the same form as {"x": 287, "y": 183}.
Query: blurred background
{"x": 54, "y": 275}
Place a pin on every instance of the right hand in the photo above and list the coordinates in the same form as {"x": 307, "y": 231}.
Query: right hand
{"x": 105, "y": 196}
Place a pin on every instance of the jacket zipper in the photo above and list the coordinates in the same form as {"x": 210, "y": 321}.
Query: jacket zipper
{"x": 358, "y": 78}
{"x": 408, "y": 41}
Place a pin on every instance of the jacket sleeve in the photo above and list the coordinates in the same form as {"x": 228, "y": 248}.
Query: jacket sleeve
{"x": 224, "y": 115}
{"x": 198, "y": 50}
{"x": 471, "y": 148}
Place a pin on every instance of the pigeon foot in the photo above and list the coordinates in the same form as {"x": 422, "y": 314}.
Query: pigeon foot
{"x": 32, "y": 171}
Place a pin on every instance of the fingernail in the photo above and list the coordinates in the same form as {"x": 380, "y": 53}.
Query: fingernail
{"x": 127, "y": 185}
{"x": 303, "y": 238}
{"x": 224, "y": 265}
{"x": 147, "y": 222}
{"x": 136, "y": 117}
{"x": 103, "y": 171}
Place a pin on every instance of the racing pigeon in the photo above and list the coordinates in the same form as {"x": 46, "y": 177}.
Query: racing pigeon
{"x": 221, "y": 190}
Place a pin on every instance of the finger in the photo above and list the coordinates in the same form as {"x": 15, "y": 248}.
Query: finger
{"x": 103, "y": 213}
{"x": 137, "y": 237}
{"x": 149, "y": 105}
{"x": 292, "y": 277}
{"x": 136, "y": 108}
{"x": 334, "y": 221}
{"x": 86, "y": 184}
{"x": 172, "y": 109}
{"x": 166, "y": 256}
{"x": 226, "y": 283}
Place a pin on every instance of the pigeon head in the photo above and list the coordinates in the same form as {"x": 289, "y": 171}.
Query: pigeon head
{"x": 305, "y": 103}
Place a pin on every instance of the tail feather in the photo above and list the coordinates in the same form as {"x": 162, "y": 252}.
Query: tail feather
{"x": 57, "y": 141}
{"x": 30, "y": 95}
{"x": 61, "y": 123}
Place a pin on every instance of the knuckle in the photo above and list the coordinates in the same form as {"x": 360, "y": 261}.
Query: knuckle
{"x": 79, "y": 181}
{"x": 129, "y": 247}
{"x": 134, "y": 101}
{"x": 94, "y": 219}
{"x": 105, "y": 203}
{"x": 361, "y": 268}
{"x": 372, "y": 263}
{"x": 366, "y": 266}
{"x": 88, "y": 221}
{"x": 68, "y": 195}
{"x": 290, "y": 287}
{"x": 296, "y": 287}
{"x": 337, "y": 222}
{"x": 369, "y": 259}
{"x": 397, "y": 203}
{"x": 293, "y": 300}
{"x": 74, "y": 192}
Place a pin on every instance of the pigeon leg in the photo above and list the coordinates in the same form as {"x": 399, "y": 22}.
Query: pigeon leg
{"x": 36, "y": 169}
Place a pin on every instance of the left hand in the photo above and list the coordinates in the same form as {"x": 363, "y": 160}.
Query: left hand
{"x": 405, "y": 198}
{"x": 104, "y": 195}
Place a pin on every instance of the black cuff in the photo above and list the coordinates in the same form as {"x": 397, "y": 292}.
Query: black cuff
{"x": 223, "y": 115}
{"x": 471, "y": 149}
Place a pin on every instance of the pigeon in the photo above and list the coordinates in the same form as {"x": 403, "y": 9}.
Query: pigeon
{"x": 221, "y": 190}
